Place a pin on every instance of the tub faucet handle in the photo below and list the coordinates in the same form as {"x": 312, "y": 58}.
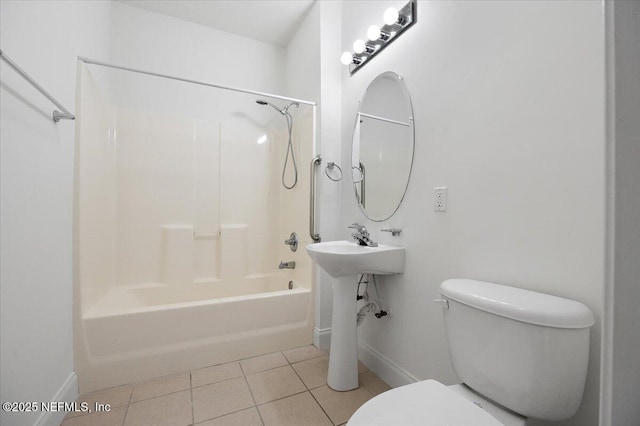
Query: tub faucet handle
{"x": 292, "y": 242}
{"x": 287, "y": 265}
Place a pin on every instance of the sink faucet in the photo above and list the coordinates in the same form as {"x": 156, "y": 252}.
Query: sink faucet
{"x": 287, "y": 265}
{"x": 362, "y": 235}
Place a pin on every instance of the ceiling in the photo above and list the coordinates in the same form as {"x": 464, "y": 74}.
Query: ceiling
{"x": 270, "y": 21}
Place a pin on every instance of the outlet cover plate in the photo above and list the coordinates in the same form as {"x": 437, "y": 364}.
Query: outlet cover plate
{"x": 440, "y": 199}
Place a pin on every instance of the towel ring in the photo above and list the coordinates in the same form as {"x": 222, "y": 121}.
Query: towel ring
{"x": 330, "y": 166}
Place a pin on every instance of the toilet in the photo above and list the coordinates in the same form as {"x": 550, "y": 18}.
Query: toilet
{"x": 519, "y": 354}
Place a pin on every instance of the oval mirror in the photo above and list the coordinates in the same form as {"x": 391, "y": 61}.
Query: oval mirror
{"x": 382, "y": 147}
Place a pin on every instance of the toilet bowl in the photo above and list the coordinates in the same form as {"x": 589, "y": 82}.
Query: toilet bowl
{"x": 519, "y": 354}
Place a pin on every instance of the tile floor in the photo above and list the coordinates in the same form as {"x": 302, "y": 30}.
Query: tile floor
{"x": 278, "y": 389}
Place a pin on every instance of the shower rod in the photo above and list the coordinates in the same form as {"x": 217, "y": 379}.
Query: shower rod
{"x": 56, "y": 115}
{"x": 187, "y": 80}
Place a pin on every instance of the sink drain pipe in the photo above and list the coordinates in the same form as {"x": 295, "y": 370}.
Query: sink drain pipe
{"x": 372, "y": 305}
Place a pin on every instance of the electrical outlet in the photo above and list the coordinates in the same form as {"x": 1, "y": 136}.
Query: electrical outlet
{"x": 440, "y": 201}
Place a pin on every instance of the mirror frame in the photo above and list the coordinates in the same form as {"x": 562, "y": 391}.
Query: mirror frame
{"x": 401, "y": 83}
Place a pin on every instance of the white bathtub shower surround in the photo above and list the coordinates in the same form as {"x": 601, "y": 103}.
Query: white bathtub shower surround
{"x": 145, "y": 331}
{"x": 177, "y": 254}
{"x": 180, "y": 228}
{"x": 233, "y": 259}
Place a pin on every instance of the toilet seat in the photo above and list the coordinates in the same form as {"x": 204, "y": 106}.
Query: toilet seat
{"x": 424, "y": 403}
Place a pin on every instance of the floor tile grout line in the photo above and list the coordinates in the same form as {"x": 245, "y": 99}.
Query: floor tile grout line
{"x": 258, "y": 405}
{"x": 244, "y": 374}
{"x": 193, "y": 415}
{"x": 158, "y": 396}
{"x": 300, "y": 377}
{"x": 303, "y": 360}
{"x": 295, "y": 372}
{"x": 268, "y": 369}
{"x": 228, "y": 414}
{"x": 218, "y": 381}
{"x": 86, "y": 413}
{"x": 126, "y": 410}
{"x": 241, "y": 368}
{"x": 253, "y": 398}
{"x": 321, "y": 407}
{"x": 308, "y": 388}
{"x": 281, "y": 398}
{"x": 308, "y": 359}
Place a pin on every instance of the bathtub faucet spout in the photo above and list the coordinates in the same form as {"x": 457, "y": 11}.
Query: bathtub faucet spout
{"x": 287, "y": 265}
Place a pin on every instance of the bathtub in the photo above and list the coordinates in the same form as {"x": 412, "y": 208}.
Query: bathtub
{"x": 139, "y": 332}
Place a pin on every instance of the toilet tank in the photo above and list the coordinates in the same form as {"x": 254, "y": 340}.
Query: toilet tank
{"x": 525, "y": 350}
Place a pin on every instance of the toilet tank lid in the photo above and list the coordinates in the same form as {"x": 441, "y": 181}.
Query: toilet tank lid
{"x": 519, "y": 304}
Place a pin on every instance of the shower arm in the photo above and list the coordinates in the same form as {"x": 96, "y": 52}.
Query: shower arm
{"x": 312, "y": 199}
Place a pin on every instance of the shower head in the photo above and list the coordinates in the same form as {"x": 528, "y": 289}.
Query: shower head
{"x": 263, "y": 102}
{"x": 284, "y": 111}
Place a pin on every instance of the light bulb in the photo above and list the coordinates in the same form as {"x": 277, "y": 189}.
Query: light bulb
{"x": 373, "y": 33}
{"x": 359, "y": 46}
{"x": 390, "y": 16}
{"x": 346, "y": 58}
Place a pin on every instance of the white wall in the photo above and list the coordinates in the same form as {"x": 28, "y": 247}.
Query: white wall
{"x": 36, "y": 354}
{"x": 312, "y": 73}
{"x": 620, "y": 388}
{"x": 508, "y": 100}
{"x": 302, "y": 59}
{"x": 160, "y": 43}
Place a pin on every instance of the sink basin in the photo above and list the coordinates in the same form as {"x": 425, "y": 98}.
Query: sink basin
{"x": 342, "y": 258}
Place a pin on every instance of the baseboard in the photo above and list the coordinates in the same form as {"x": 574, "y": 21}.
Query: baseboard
{"x": 386, "y": 369}
{"x": 322, "y": 337}
{"x": 68, "y": 392}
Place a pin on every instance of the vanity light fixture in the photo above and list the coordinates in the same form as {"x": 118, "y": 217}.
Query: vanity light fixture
{"x": 374, "y": 33}
{"x": 349, "y": 58}
{"x": 346, "y": 58}
{"x": 395, "y": 23}
{"x": 391, "y": 16}
{"x": 359, "y": 46}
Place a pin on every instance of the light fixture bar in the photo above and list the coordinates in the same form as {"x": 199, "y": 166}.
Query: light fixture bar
{"x": 405, "y": 18}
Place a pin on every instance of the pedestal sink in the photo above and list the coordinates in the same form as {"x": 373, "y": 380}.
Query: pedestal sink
{"x": 344, "y": 260}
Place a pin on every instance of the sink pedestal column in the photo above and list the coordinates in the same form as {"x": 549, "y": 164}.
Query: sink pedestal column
{"x": 343, "y": 358}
